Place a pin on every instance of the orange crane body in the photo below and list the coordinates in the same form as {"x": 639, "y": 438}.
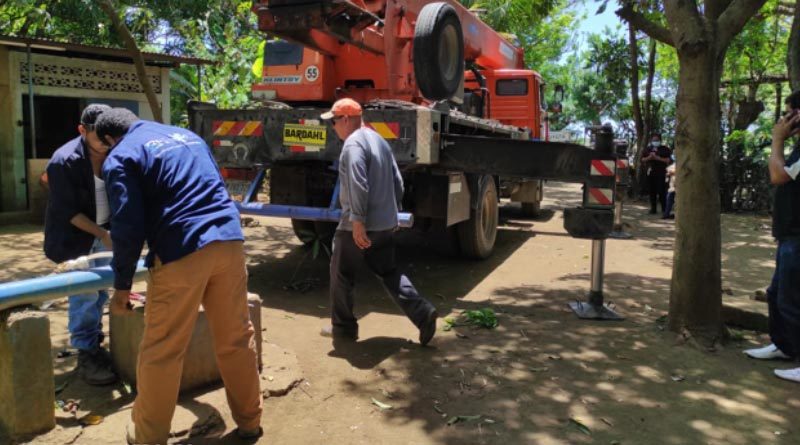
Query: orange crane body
{"x": 363, "y": 49}
{"x": 464, "y": 118}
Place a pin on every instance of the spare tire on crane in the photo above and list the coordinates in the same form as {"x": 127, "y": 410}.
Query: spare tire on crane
{"x": 438, "y": 51}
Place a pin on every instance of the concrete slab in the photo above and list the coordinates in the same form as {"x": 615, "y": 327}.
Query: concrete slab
{"x": 199, "y": 366}
{"x": 27, "y": 389}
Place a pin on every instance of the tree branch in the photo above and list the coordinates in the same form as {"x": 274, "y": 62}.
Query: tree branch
{"x": 136, "y": 55}
{"x": 734, "y": 18}
{"x": 715, "y": 8}
{"x": 642, "y": 23}
{"x": 690, "y": 26}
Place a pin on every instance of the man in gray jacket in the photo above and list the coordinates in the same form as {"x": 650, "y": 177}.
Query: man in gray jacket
{"x": 371, "y": 190}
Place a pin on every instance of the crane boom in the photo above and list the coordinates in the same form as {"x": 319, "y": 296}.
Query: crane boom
{"x": 384, "y": 28}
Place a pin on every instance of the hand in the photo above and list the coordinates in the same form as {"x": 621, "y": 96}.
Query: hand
{"x": 783, "y": 129}
{"x": 360, "y": 235}
{"x": 106, "y": 240}
{"x": 121, "y": 302}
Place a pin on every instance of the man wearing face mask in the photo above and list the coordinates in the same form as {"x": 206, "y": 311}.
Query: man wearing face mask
{"x": 656, "y": 158}
{"x": 77, "y": 224}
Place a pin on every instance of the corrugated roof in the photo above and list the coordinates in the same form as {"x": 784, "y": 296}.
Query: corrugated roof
{"x": 105, "y": 52}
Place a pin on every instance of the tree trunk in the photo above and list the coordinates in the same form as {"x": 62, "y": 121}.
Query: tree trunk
{"x": 136, "y": 55}
{"x": 793, "y": 54}
{"x": 637, "y": 107}
{"x": 635, "y": 102}
{"x": 648, "y": 121}
{"x": 696, "y": 293}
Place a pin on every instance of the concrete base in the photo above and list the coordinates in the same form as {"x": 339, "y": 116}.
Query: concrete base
{"x": 27, "y": 389}
{"x": 199, "y": 365}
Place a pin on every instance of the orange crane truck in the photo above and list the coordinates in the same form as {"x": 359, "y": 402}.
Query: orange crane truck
{"x": 466, "y": 120}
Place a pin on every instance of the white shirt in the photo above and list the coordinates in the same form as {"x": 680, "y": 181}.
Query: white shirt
{"x": 102, "y": 212}
{"x": 793, "y": 170}
{"x": 672, "y": 179}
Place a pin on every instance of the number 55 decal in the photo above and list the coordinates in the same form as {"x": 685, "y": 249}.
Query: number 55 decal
{"x": 312, "y": 73}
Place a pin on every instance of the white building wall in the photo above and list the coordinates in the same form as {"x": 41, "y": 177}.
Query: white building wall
{"x": 78, "y": 78}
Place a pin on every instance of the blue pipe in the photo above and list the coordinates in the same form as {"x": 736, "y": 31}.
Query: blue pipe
{"x": 405, "y": 220}
{"x": 255, "y": 186}
{"x": 39, "y": 290}
{"x": 335, "y": 197}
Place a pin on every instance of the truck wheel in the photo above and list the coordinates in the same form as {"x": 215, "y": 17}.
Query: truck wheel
{"x": 438, "y": 51}
{"x": 309, "y": 231}
{"x": 304, "y": 230}
{"x": 477, "y": 235}
{"x": 531, "y": 209}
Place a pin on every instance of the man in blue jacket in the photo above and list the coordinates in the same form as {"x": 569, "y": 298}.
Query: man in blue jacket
{"x": 76, "y": 224}
{"x": 164, "y": 188}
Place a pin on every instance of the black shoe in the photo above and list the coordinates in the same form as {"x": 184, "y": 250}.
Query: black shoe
{"x": 94, "y": 368}
{"x": 428, "y": 329}
{"x": 653, "y": 211}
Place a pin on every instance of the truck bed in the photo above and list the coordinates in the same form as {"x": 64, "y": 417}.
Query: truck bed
{"x": 278, "y": 133}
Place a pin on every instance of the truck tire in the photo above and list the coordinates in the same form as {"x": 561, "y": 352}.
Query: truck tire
{"x": 438, "y": 51}
{"x": 304, "y": 230}
{"x": 531, "y": 209}
{"x": 309, "y": 231}
{"x": 477, "y": 235}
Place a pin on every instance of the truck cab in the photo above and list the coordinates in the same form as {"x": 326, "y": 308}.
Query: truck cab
{"x": 510, "y": 96}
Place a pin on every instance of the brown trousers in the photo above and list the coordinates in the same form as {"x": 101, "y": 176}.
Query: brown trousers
{"x": 216, "y": 277}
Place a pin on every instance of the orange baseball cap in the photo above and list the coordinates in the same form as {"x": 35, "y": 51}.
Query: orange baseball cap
{"x": 342, "y": 107}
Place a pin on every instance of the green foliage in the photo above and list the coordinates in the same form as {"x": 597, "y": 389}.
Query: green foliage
{"x": 602, "y": 86}
{"x": 222, "y": 31}
{"x": 481, "y": 318}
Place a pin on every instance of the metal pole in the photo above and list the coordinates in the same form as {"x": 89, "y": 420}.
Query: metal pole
{"x": 598, "y": 264}
{"x": 31, "y": 112}
{"x": 595, "y": 308}
{"x": 39, "y": 290}
{"x": 404, "y": 220}
{"x": 619, "y": 232}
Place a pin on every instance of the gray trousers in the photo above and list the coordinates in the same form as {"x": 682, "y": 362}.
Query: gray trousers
{"x": 345, "y": 261}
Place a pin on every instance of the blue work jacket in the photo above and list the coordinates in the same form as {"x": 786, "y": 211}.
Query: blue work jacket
{"x": 164, "y": 187}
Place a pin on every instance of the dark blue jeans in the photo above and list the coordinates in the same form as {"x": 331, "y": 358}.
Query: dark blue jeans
{"x": 783, "y": 298}
{"x": 670, "y": 204}
{"x": 86, "y": 311}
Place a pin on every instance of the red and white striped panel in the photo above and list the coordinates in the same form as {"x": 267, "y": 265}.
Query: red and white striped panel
{"x": 600, "y": 197}
{"x": 602, "y": 168}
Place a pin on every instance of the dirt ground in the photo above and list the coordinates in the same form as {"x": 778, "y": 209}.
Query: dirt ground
{"x": 541, "y": 377}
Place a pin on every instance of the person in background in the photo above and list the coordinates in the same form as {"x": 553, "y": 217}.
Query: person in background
{"x": 164, "y": 187}
{"x": 783, "y": 294}
{"x": 371, "y": 193}
{"x": 656, "y": 158}
{"x": 77, "y": 224}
